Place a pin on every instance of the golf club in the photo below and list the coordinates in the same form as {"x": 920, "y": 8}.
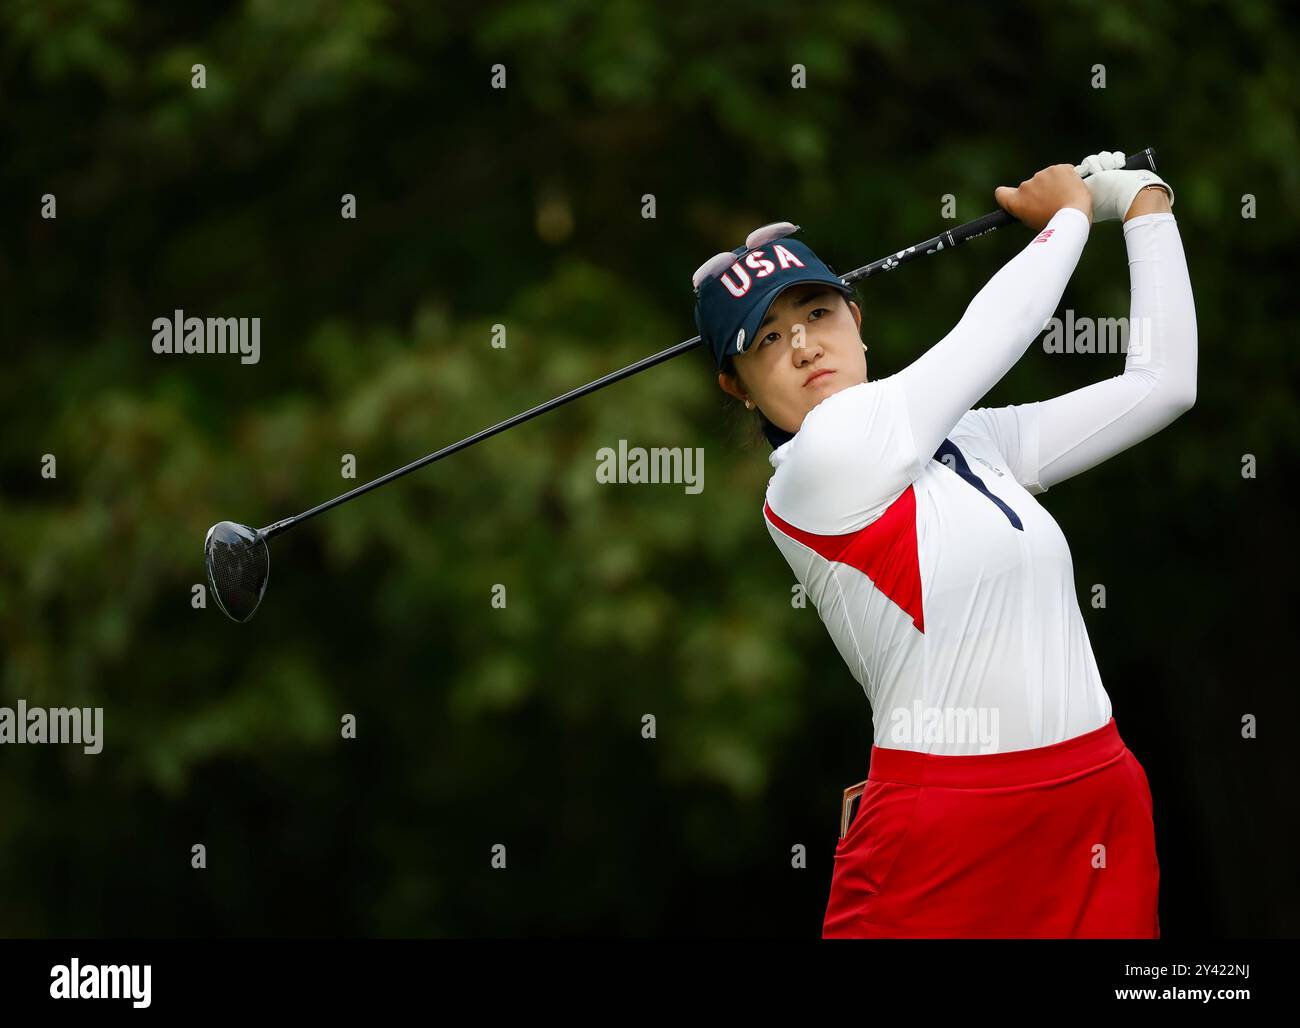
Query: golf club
{"x": 237, "y": 558}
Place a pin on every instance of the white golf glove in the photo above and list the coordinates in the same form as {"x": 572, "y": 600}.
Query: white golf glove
{"x": 1113, "y": 188}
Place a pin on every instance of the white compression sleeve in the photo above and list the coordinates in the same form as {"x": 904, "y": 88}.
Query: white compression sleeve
{"x": 998, "y": 326}
{"x": 1082, "y": 428}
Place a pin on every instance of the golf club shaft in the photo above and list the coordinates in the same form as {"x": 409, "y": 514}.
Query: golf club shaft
{"x": 446, "y": 451}
{"x": 944, "y": 241}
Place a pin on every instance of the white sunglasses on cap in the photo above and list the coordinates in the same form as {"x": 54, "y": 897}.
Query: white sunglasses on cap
{"x": 717, "y": 265}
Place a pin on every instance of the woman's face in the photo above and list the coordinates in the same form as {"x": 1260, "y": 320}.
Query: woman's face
{"x": 807, "y": 348}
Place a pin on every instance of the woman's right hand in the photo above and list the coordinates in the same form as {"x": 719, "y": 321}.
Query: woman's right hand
{"x": 1036, "y": 200}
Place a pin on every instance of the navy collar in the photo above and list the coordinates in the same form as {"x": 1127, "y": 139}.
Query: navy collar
{"x": 776, "y": 436}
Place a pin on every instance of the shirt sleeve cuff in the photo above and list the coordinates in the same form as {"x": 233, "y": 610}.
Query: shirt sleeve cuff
{"x": 1147, "y": 219}
{"x": 1073, "y": 212}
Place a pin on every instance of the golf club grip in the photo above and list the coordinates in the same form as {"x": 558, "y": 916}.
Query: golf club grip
{"x": 1143, "y": 160}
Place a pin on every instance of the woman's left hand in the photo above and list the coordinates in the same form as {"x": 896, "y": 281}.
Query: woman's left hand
{"x": 1113, "y": 188}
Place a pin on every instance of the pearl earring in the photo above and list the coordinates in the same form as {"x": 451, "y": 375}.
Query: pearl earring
{"x": 748, "y": 405}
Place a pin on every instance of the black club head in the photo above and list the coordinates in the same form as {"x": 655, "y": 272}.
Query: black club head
{"x": 238, "y": 564}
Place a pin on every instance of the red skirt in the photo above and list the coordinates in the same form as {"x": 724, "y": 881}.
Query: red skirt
{"x": 1052, "y": 842}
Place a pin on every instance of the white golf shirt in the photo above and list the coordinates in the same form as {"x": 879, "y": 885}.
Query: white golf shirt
{"x": 911, "y": 519}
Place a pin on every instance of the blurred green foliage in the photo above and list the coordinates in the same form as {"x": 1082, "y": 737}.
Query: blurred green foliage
{"x": 522, "y": 207}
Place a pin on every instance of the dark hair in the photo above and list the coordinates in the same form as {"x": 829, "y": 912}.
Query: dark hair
{"x": 759, "y": 425}
{"x": 760, "y": 428}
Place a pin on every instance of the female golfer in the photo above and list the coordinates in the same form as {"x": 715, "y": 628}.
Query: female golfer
{"x": 1000, "y": 799}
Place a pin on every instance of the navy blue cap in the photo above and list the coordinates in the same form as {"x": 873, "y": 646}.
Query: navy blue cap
{"x": 730, "y": 307}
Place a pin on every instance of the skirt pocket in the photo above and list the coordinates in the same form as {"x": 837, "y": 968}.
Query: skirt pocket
{"x": 868, "y": 853}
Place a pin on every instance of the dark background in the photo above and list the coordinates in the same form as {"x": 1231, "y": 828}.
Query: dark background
{"x": 522, "y": 207}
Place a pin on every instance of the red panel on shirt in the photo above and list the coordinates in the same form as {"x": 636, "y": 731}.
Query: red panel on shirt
{"x": 885, "y": 551}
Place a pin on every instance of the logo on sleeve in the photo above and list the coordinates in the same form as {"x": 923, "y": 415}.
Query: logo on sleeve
{"x": 1044, "y": 235}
